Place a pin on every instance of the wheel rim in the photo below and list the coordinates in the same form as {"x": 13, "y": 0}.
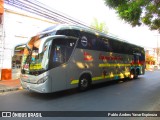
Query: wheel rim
{"x": 84, "y": 83}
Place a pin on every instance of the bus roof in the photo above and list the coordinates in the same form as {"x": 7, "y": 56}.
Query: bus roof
{"x": 82, "y": 28}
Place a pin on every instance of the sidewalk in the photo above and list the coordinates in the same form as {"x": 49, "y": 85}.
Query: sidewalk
{"x": 9, "y": 85}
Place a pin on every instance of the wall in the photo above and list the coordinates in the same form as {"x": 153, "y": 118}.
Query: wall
{"x": 18, "y": 27}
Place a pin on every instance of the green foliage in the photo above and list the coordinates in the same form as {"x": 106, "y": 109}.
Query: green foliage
{"x": 100, "y": 26}
{"x": 137, "y": 12}
{"x": 150, "y": 59}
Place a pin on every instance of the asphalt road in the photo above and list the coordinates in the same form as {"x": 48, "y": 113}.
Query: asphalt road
{"x": 141, "y": 94}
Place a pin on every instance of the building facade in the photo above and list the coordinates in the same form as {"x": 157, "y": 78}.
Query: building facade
{"x": 152, "y": 58}
{"x": 17, "y": 27}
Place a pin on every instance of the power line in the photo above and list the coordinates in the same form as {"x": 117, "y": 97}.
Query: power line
{"x": 42, "y": 10}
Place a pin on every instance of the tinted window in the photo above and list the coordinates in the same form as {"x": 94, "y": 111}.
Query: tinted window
{"x": 68, "y": 32}
{"x": 86, "y": 41}
{"x": 93, "y": 42}
{"x": 117, "y": 46}
{"x": 123, "y": 47}
{"x": 61, "y": 51}
{"x": 107, "y": 46}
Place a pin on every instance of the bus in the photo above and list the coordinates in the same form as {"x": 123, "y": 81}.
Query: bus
{"x": 63, "y": 57}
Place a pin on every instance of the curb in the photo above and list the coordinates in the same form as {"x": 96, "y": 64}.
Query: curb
{"x": 10, "y": 89}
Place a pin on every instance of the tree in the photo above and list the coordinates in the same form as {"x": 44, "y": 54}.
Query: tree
{"x": 100, "y": 26}
{"x": 137, "y": 12}
{"x": 150, "y": 59}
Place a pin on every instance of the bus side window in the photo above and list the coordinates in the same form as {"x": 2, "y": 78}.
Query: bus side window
{"x": 57, "y": 53}
{"x": 69, "y": 48}
{"x": 105, "y": 45}
{"x": 68, "y": 32}
{"x": 61, "y": 51}
{"x": 86, "y": 41}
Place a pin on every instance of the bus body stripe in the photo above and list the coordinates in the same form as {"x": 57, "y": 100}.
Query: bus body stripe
{"x": 121, "y": 75}
{"x": 113, "y": 65}
{"x": 75, "y": 82}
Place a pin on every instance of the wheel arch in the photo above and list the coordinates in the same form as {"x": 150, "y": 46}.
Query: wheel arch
{"x": 89, "y": 73}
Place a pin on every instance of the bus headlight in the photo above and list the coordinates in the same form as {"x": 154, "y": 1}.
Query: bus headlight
{"x": 42, "y": 80}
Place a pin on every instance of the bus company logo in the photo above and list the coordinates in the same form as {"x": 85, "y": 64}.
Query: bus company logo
{"x": 87, "y": 56}
{"x": 21, "y": 114}
{"x": 103, "y": 57}
{"x": 84, "y": 41}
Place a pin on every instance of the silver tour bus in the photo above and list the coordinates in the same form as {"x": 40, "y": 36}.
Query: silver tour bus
{"x": 67, "y": 56}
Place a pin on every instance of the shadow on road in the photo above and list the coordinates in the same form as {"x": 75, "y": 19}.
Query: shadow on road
{"x": 114, "y": 82}
{"x": 50, "y": 96}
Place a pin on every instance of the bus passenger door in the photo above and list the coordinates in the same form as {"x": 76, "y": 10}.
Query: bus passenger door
{"x": 56, "y": 70}
{"x": 60, "y": 53}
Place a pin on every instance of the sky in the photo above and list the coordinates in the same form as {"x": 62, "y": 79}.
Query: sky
{"x": 87, "y": 10}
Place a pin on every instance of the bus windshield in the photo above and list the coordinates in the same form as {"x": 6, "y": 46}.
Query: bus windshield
{"x": 35, "y": 60}
{"x": 46, "y": 53}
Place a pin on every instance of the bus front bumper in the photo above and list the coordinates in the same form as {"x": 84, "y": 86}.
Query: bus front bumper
{"x": 39, "y": 88}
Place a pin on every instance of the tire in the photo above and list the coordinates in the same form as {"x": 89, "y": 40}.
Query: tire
{"x": 84, "y": 83}
{"x": 133, "y": 74}
{"x": 136, "y": 74}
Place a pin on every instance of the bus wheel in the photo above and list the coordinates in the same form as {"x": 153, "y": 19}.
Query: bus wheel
{"x": 131, "y": 75}
{"x": 84, "y": 83}
{"x": 136, "y": 74}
